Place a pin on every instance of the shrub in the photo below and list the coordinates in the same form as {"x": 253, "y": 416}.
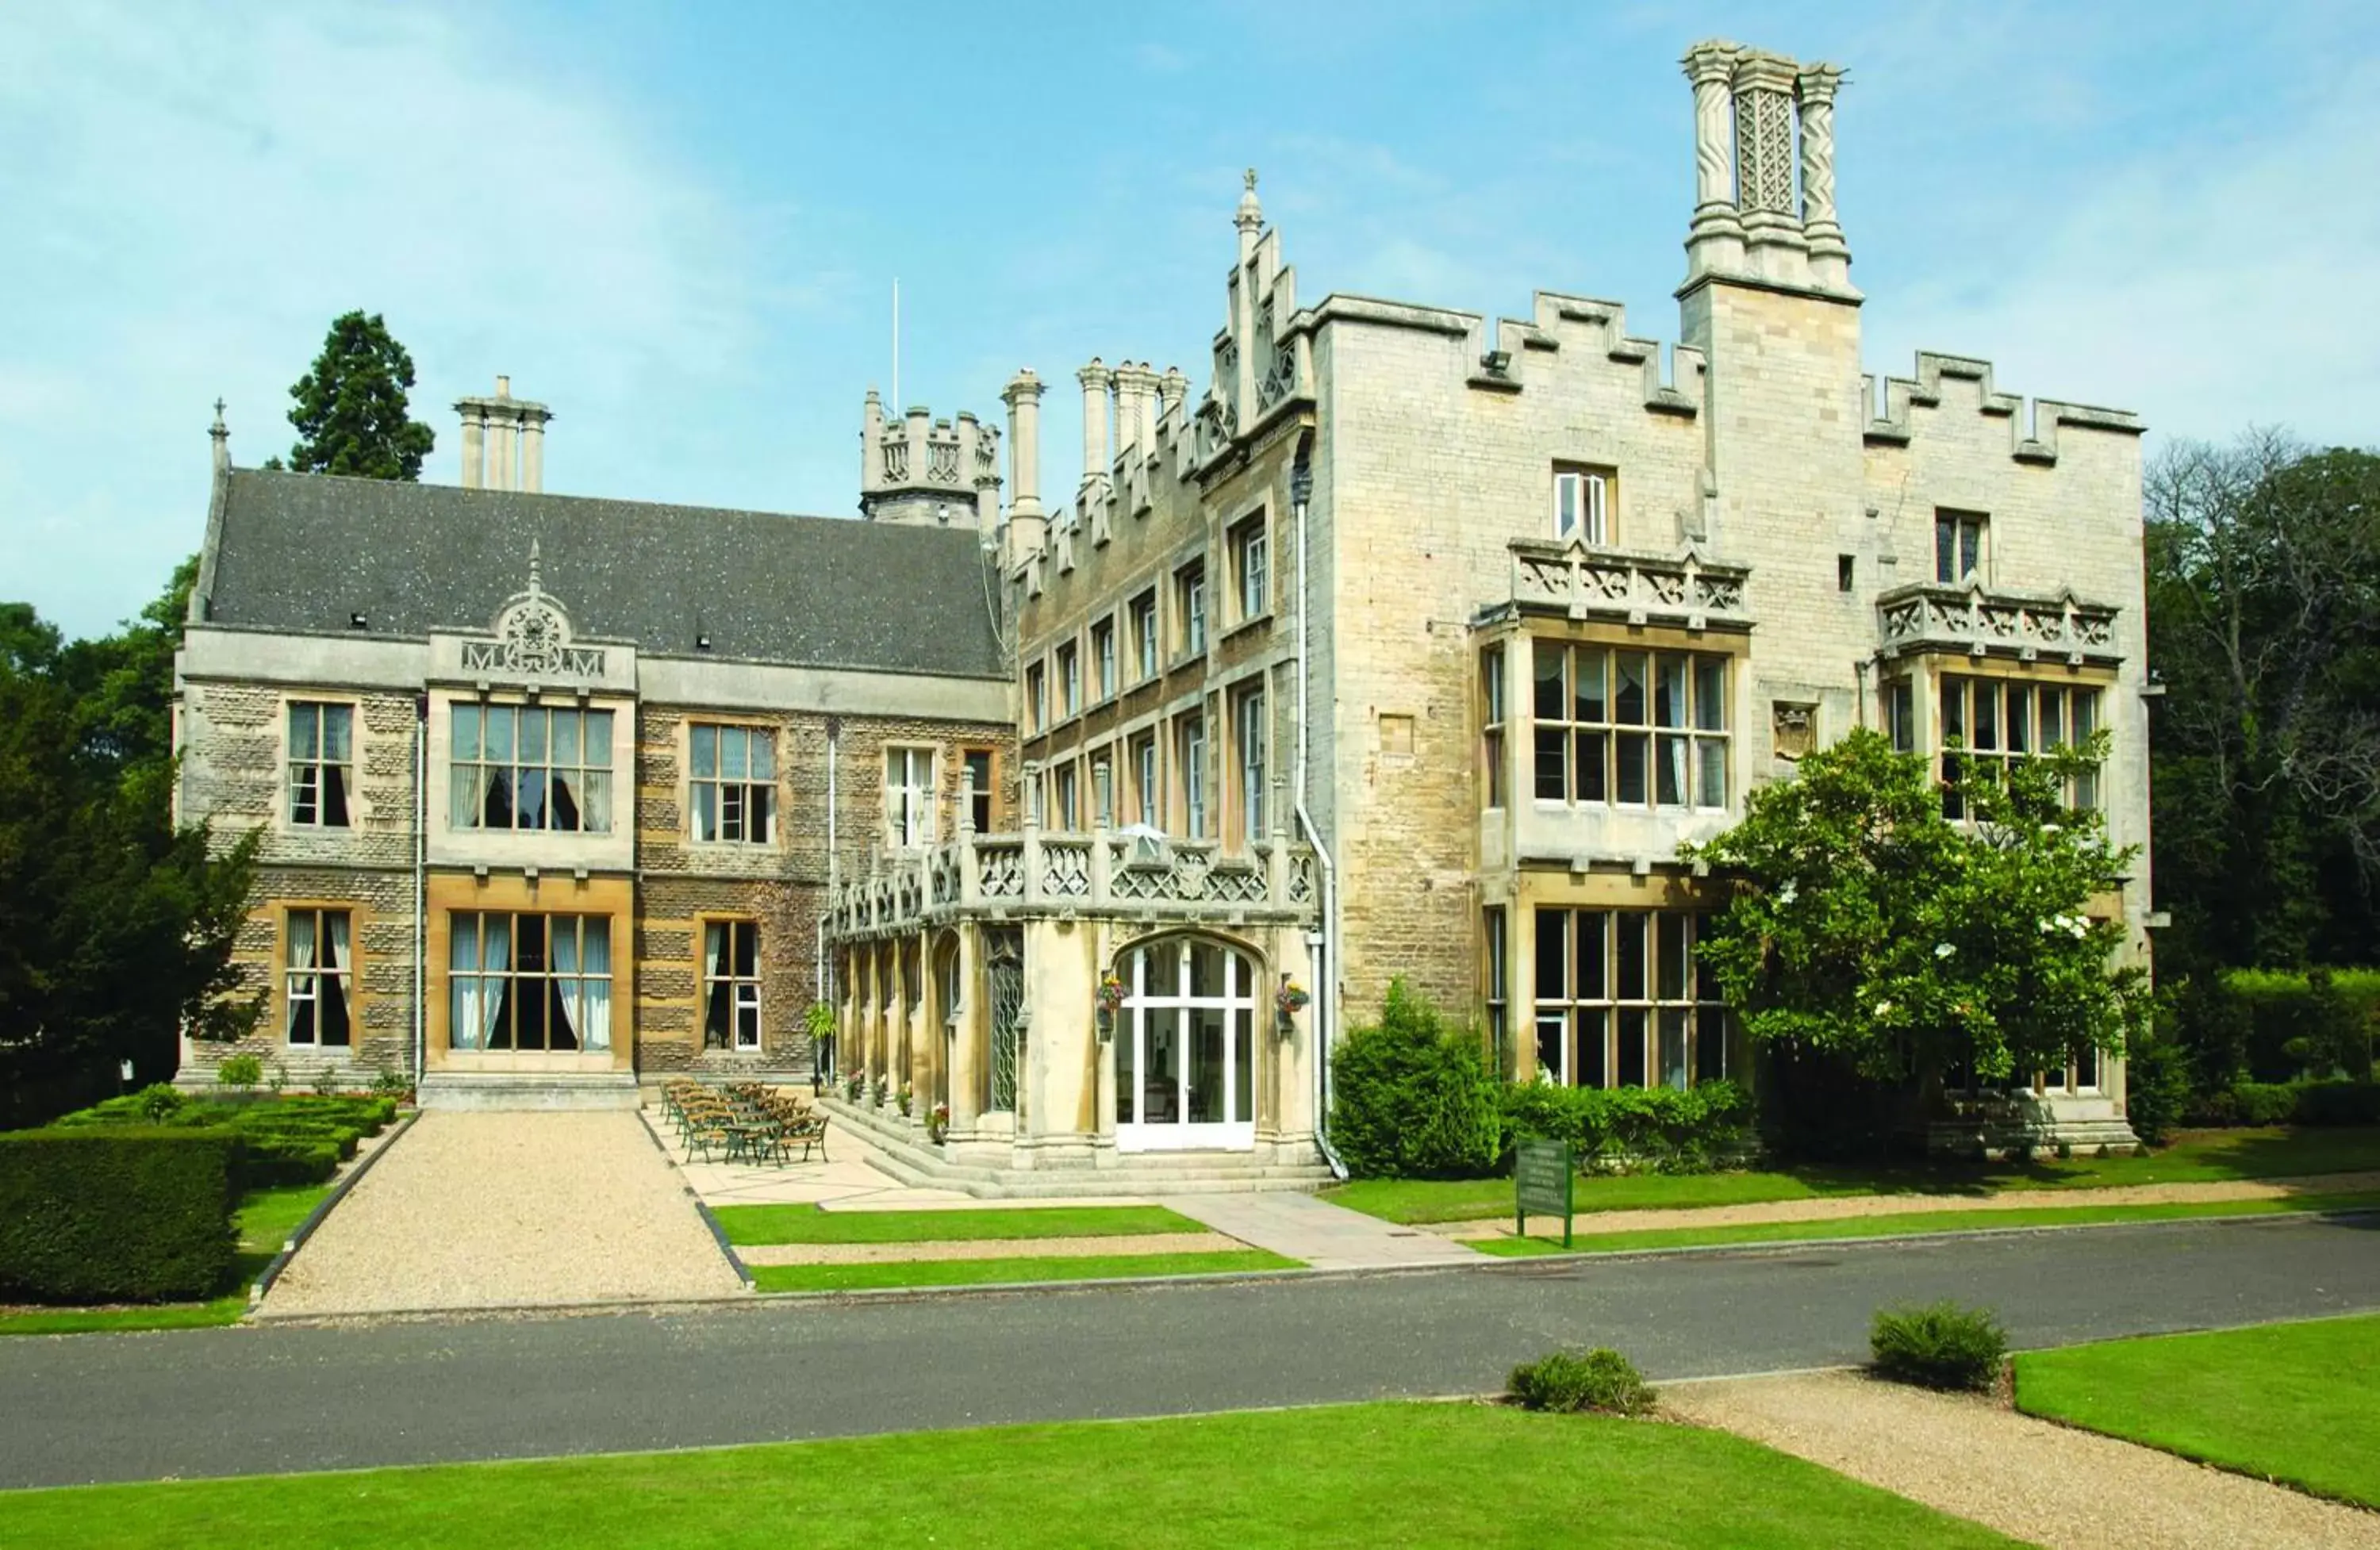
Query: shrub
{"x": 2298, "y": 1024}
{"x": 112, "y": 1213}
{"x": 1409, "y": 1099}
{"x": 158, "y": 1102}
{"x": 2156, "y": 1082}
{"x": 241, "y": 1073}
{"x": 1659, "y": 1129}
{"x": 1568, "y": 1381}
{"x": 1941, "y": 1344}
{"x": 391, "y": 1083}
{"x": 2338, "y": 1103}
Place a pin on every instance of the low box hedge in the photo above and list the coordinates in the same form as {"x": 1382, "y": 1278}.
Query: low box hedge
{"x": 2333, "y": 1102}
{"x": 1656, "y": 1128}
{"x": 116, "y": 1214}
{"x": 289, "y": 1139}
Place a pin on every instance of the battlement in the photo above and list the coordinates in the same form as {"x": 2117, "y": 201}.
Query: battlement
{"x": 2034, "y": 425}
{"x": 925, "y": 471}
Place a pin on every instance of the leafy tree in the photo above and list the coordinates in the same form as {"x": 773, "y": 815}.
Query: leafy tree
{"x": 116, "y": 926}
{"x": 350, "y": 410}
{"x": 1866, "y": 929}
{"x": 2264, "y": 592}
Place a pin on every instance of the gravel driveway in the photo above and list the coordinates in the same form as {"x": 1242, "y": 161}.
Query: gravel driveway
{"x": 2047, "y": 1484}
{"x": 472, "y": 1210}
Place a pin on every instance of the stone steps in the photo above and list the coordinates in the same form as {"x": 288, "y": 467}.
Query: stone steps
{"x": 529, "y": 1090}
{"x": 905, "y": 1153}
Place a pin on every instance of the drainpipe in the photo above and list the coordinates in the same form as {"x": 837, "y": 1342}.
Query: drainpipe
{"x": 834, "y": 746}
{"x": 421, "y": 872}
{"x": 1301, "y": 490}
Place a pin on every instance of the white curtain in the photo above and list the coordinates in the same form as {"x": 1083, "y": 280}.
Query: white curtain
{"x": 302, "y": 958}
{"x": 563, "y": 932}
{"x": 595, "y": 802}
{"x": 496, "y": 956}
{"x": 463, "y": 987}
{"x": 1674, "y": 749}
{"x": 334, "y": 958}
{"x": 596, "y": 1031}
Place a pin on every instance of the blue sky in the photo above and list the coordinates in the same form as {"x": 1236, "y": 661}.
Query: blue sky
{"x": 679, "y": 226}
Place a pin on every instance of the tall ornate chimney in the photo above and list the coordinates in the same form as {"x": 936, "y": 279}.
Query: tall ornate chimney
{"x": 504, "y": 441}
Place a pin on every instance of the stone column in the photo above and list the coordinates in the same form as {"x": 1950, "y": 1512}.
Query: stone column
{"x": 1096, "y": 379}
{"x": 502, "y": 441}
{"x": 1830, "y": 258}
{"x": 968, "y": 1050}
{"x": 474, "y": 446}
{"x": 1026, "y": 521}
{"x": 871, "y": 443}
{"x": 1715, "y": 241}
{"x": 532, "y": 467}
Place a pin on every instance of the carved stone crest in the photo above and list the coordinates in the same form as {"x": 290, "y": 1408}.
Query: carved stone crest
{"x": 533, "y": 637}
{"x": 1794, "y": 728}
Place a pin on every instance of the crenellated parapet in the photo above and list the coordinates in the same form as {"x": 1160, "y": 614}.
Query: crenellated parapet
{"x": 920, "y": 470}
{"x": 1600, "y": 328}
{"x": 2032, "y": 429}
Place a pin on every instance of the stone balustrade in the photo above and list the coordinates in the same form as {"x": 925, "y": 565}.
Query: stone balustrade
{"x": 1973, "y": 622}
{"x": 1579, "y": 581}
{"x": 1099, "y": 873}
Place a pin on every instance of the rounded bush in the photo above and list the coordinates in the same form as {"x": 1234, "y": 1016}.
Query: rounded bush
{"x": 1940, "y": 1345}
{"x": 1568, "y": 1381}
{"x": 1409, "y": 1099}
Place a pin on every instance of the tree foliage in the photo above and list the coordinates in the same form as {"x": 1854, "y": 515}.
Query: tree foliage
{"x": 350, "y": 409}
{"x": 2263, "y": 578}
{"x": 1864, "y": 925}
{"x": 115, "y": 927}
{"x": 1411, "y": 1099}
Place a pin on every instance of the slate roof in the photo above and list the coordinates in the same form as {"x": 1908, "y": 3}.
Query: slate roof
{"x": 303, "y": 551}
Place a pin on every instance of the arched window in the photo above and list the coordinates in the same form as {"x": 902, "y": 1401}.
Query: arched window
{"x": 1185, "y": 1047}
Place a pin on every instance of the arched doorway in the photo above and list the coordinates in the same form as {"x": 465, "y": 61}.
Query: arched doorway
{"x": 1185, "y": 1047}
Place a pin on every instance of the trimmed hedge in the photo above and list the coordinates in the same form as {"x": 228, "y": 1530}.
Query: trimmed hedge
{"x": 1410, "y": 1099}
{"x": 286, "y": 1140}
{"x": 1658, "y": 1128}
{"x": 2288, "y": 1103}
{"x": 116, "y": 1214}
{"x": 2284, "y": 1025}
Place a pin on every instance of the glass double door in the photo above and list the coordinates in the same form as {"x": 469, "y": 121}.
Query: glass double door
{"x": 1185, "y": 1049}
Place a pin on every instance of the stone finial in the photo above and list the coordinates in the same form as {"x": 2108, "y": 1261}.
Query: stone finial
{"x": 1249, "y": 217}
{"x": 220, "y": 435}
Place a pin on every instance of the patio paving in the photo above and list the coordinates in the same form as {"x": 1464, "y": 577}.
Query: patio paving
{"x": 1324, "y": 1236}
{"x": 849, "y": 1179}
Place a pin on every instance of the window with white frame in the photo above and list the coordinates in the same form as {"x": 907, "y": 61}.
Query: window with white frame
{"x": 1989, "y": 724}
{"x": 1103, "y": 657}
{"x": 1191, "y": 758}
{"x": 1036, "y": 697}
{"x": 322, "y": 764}
{"x": 1067, "y": 786}
{"x": 1190, "y": 596}
{"x": 1248, "y": 560}
{"x": 531, "y": 767}
{"x": 317, "y": 980}
{"x": 978, "y": 777}
{"x": 1252, "y": 730}
{"x": 528, "y": 981}
{"x": 1582, "y": 504}
{"x": 1491, "y": 718}
{"x": 1144, "y": 635}
{"x": 1958, "y": 546}
{"x": 1621, "y": 1000}
{"x": 1496, "y": 985}
{"x": 732, "y": 783}
{"x": 1629, "y": 728}
{"x": 1147, "y": 795}
{"x": 731, "y": 985}
{"x": 1070, "y": 681}
{"x": 909, "y": 797}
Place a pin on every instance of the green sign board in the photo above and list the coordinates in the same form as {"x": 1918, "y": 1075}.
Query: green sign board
{"x": 1541, "y": 1182}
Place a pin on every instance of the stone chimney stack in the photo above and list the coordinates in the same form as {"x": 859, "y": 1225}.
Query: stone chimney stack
{"x": 504, "y": 441}
{"x": 1095, "y": 380}
{"x": 1759, "y": 118}
{"x": 1026, "y": 521}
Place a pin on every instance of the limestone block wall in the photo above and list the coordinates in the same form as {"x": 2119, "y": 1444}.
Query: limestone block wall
{"x": 1432, "y": 469}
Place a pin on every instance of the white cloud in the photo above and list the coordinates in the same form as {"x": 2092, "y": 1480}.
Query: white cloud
{"x": 198, "y": 192}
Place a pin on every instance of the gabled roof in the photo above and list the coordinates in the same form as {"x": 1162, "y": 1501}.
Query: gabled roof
{"x": 304, "y": 551}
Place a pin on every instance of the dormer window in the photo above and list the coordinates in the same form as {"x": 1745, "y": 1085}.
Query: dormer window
{"x": 1582, "y": 504}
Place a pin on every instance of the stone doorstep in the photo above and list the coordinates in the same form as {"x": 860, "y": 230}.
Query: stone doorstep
{"x": 989, "y": 1247}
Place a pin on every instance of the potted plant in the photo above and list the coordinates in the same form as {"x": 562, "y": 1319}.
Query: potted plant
{"x": 938, "y": 1123}
{"x": 901, "y": 1098}
{"x": 1289, "y": 1000}
{"x": 854, "y": 1084}
{"x": 1111, "y": 1001}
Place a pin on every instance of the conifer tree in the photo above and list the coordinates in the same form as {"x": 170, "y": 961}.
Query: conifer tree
{"x": 351, "y": 409}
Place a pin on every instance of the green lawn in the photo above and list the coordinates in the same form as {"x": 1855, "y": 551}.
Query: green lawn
{"x": 1362, "y": 1476}
{"x": 807, "y": 1224}
{"x": 2195, "y": 1157}
{"x": 2293, "y": 1402}
{"x": 984, "y": 1272}
{"x": 265, "y": 1220}
{"x": 1918, "y": 1221}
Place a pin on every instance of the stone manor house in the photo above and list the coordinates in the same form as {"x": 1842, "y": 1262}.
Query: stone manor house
{"x": 1408, "y": 644}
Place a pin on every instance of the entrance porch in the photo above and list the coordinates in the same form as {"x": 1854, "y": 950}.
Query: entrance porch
{"x": 1081, "y": 1011}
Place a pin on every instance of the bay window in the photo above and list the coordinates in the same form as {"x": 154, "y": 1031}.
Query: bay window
{"x": 1629, "y": 728}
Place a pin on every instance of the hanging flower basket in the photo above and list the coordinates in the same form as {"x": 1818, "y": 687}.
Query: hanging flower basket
{"x": 1109, "y": 1002}
{"x": 1288, "y": 1001}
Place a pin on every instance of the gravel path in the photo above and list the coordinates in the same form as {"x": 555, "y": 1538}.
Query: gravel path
{"x": 989, "y": 1247}
{"x": 1835, "y": 1208}
{"x": 473, "y": 1210}
{"x": 2043, "y": 1483}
